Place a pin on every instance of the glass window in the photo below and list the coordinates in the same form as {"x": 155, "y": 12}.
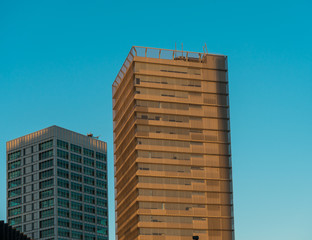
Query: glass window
{"x": 63, "y": 212}
{"x": 75, "y": 158}
{"x": 101, "y": 193}
{"x": 88, "y": 152}
{"x": 89, "y": 180}
{"x": 14, "y": 174}
{"x": 62, "y": 144}
{"x": 47, "y": 223}
{"x": 63, "y": 232}
{"x": 62, "y": 183}
{"x": 76, "y": 177}
{"x": 77, "y": 235}
{"x": 89, "y": 190}
{"x": 46, "y": 145}
{"x": 89, "y": 218}
{"x": 46, "y": 154}
{"x": 62, "y": 163}
{"x": 76, "y": 206}
{"x": 89, "y": 199}
{"x": 15, "y": 211}
{"x": 100, "y": 174}
{"x": 102, "y": 212}
{"x": 47, "y": 203}
{"x": 63, "y": 222}
{"x": 76, "y": 215}
{"x": 47, "y": 233}
{"x": 46, "y": 193}
{"x": 102, "y": 221}
{"x": 46, "y": 164}
{"x": 14, "y": 183}
{"x": 89, "y": 209}
{"x": 101, "y": 202}
{"x": 14, "y": 165}
{"x": 89, "y": 228}
{"x": 76, "y": 186}
{"x": 88, "y": 171}
{"x": 62, "y": 173}
{"x": 77, "y": 225}
{"x": 14, "y": 155}
{"x": 47, "y": 213}
{"x": 76, "y": 196}
{"x": 75, "y": 148}
{"x": 15, "y": 192}
{"x": 101, "y": 184}
{"x": 62, "y": 154}
{"x": 100, "y": 165}
{"x": 63, "y": 193}
{"x": 89, "y": 237}
{"x": 88, "y": 162}
{"x": 75, "y": 167}
{"x": 101, "y": 230}
{"x": 63, "y": 203}
{"x": 46, "y": 184}
{"x": 101, "y": 156}
{"x": 15, "y": 221}
{"x": 46, "y": 174}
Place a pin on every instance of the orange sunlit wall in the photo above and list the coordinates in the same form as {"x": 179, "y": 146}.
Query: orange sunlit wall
{"x": 172, "y": 147}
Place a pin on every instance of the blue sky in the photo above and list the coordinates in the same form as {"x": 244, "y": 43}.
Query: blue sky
{"x": 58, "y": 60}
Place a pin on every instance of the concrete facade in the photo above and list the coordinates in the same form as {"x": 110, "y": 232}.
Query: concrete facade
{"x": 57, "y": 185}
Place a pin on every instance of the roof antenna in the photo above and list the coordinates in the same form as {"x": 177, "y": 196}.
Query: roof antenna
{"x": 182, "y": 49}
{"x": 206, "y": 48}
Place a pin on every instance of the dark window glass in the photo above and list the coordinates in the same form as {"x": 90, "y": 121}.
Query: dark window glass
{"x": 101, "y": 165}
{"x": 14, "y": 183}
{"x": 62, "y": 154}
{"x": 89, "y": 190}
{"x": 88, "y": 162}
{"x": 46, "y": 145}
{"x": 46, "y": 154}
{"x": 101, "y": 156}
{"x": 63, "y": 203}
{"x": 46, "y": 174}
{"x": 14, "y": 165}
{"x": 62, "y": 163}
{"x": 88, "y": 152}
{"x": 76, "y": 186}
{"x": 47, "y": 233}
{"x": 88, "y": 171}
{"x": 47, "y": 213}
{"x": 47, "y": 223}
{"x": 62, "y": 173}
{"x": 75, "y": 158}
{"x": 62, "y": 144}
{"x": 46, "y": 164}
{"x": 75, "y": 167}
{"x": 63, "y": 193}
{"x": 62, "y": 183}
{"x": 15, "y": 192}
{"x": 75, "y": 148}
{"x": 14, "y": 155}
{"x": 46, "y": 184}
{"x": 47, "y": 203}
{"x": 63, "y": 212}
{"x": 46, "y": 193}
{"x": 76, "y": 215}
{"x": 76, "y": 177}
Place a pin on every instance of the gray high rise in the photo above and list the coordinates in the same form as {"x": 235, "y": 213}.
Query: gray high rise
{"x": 57, "y": 185}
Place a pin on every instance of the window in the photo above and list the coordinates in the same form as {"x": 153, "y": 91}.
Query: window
{"x": 14, "y": 155}
{"x": 101, "y": 193}
{"x": 89, "y": 228}
{"x": 75, "y": 148}
{"x": 63, "y": 232}
{"x": 47, "y": 223}
{"x": 47, "y": 203}
{"x": 76, "y": 177}
{"x": 62, "y": 144}
{"x": 101, "y": 165}
{"x": 102, "y": 221}
{"x": 15, "y": 221}
{"x": 101, "y": 184}
{"x": 101, "y": 230}
{"x": 62, "y": 163}
{"x": 77, "y": 225}
{"x": 89, "y": 218}
{"x": 88, "y": 162}
{"x": 46, "y": 174}
{"x": 46, "y": 154}
{"x": 63, "y": 222}
{"x": 89, "y": 209}
{"x": 46, "y": 184}
{"x": 63, "y": 203}
{"x": 100, "y": 174}
{"x": 46, "y": 145}
{"x": 101, "y": 156}
{"x": 75, "y": 167}
{"x": 76, "y": 186}
{"x": 14, "y": 165}
{"x": 15, "y": 211}
{"x": 77, "y": 235}
{"x": 62, "y": 183}
{"x": 76, "y": 196}
{"x": 47, "y": 233}
{"x": 47, "y": 213}
{"x": 76, "y": 215}
{"x": 75, "y": 158}
{"x": 62, "y": 154}
{"x": 88, "y": 171}
{"x": 76, "y": 206}
{"x": 14, "y": 174}
{"x": 46, "y": 164}
{"x": 62, "y": 173}
{"x": 63, "y": 193}
{"x": 46, "y": 193}
{"x": 89, "y": 190}
{"x": 88, "y": 152}
{"x": 101, "y": 202}
{"x": 14, "y": 183}
{"x": 15, "y": 192}
{"x": 89, "y": 199}
{"x": 63, "y": 212}
{"x": 102, "y": 212}
{"x": 89, "y": 180}
{"x": 89, "y": 237}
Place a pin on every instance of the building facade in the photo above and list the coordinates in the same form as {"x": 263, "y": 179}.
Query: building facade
{"x": 57, "y": 185}
{"x": 172, "y": 147}
{"x": 9, "y": 233}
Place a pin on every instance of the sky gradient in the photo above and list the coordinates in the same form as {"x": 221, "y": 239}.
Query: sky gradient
{"x": 58, "y": 60}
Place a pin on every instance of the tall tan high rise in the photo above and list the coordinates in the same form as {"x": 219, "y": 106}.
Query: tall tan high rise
{"x": 172, "y": 146}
